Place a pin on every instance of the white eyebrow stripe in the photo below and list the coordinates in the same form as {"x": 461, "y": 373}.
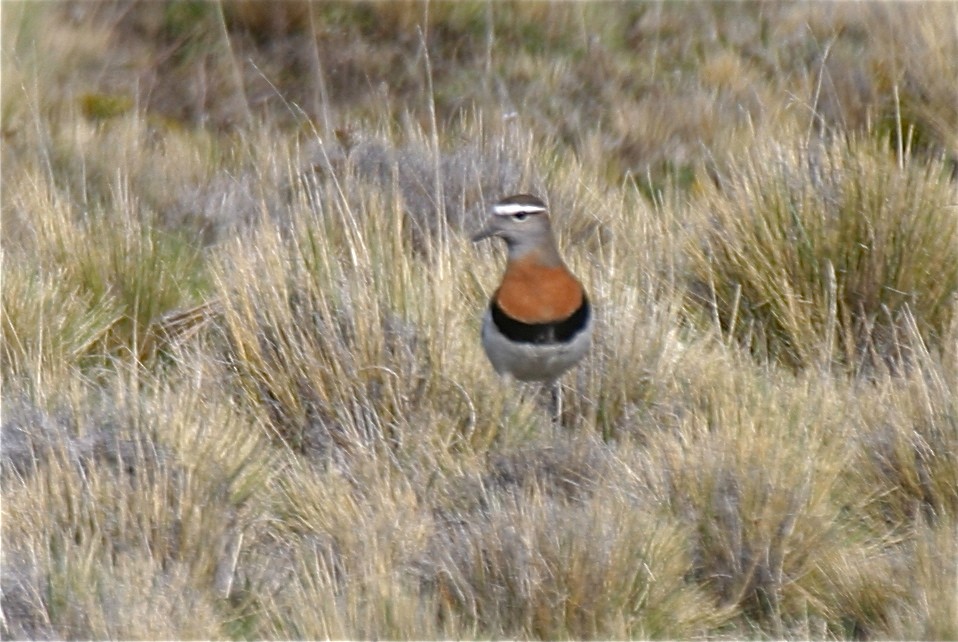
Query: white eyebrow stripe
{"x": 511, "y": 209}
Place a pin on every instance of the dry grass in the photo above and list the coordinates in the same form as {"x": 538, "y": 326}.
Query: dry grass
{"x": 243, "y": 392}
{"x": 828, "y": 253}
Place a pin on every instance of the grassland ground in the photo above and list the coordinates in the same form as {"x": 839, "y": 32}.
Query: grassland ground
{"x": 243, "y": 390}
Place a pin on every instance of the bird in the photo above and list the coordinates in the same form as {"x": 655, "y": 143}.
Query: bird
{"x": 539, "y": 320}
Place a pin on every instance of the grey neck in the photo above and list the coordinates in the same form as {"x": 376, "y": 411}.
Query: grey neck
{"x": 545, "y": 249}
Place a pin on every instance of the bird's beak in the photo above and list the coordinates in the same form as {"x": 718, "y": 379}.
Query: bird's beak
{"x": 484, "y": 233}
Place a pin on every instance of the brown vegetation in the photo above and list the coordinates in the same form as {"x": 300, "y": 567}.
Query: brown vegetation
{"x": 243, "y": 390}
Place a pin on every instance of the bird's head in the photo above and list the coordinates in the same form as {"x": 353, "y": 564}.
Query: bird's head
{"x": 522, "y": 221}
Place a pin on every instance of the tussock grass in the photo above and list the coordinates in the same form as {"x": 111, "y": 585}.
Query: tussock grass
{"x": 112, "y": 259}
{"x": 243, "y": 390}
{"x": 104, "y": 501}
{"x": 758, "y": 488}
{"x": 371, "y": 352}
{"x": 908, "y": 446}
{"x": 827, "y": 253}
{"x": 530, "y": 565}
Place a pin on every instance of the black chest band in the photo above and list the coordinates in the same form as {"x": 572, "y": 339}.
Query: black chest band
{"x": 542, "y": 333}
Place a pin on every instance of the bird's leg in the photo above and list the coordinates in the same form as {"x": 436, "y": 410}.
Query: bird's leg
{"x": 555, "y": 406}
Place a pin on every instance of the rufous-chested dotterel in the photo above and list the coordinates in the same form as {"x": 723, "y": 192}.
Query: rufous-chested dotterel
{"x": 539, "y": 321}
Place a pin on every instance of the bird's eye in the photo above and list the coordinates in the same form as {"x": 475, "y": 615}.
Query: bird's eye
{"x": 521, "y": 216}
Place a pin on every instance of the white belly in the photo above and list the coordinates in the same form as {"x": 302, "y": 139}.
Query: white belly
{"x": 532, "y": 361}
